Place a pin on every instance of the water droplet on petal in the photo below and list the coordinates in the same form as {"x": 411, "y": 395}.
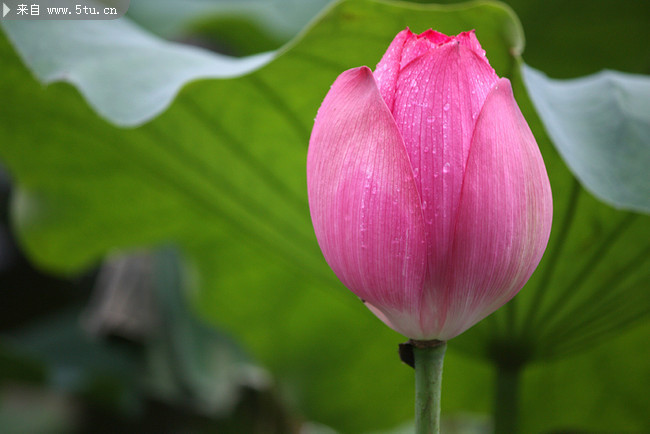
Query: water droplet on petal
{"x": 446, "y": 167}
{"x": 446, "y": 107}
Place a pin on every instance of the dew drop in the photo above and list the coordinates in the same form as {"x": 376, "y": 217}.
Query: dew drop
{"x": 445, "y": 168}
{"x": 446, "y": 107}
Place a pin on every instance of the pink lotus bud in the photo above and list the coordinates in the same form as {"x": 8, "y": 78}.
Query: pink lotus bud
{"x": 428, "y": 193}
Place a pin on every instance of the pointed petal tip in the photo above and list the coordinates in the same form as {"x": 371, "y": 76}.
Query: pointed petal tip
{"x": 407, "y": 31}
{"x": 502, "y": 88}
{"x": 357, "y": 74}
{"x": 504, "y": 84}
{"x": 350, "y": 79}
{"x": 469, "y": 40}
{"x": 435, "y": 36}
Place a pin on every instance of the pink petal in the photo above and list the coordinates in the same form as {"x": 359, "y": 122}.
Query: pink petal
{"x": 389, "y": 66}
{"x": 504, "y": 217}
{"x": 416, "y": 47}
{"x": 406, "y": 47}
{"x": 438, "y": 97}
{"x": 363, "y": 200}
{"x": 469, "y": 40}
{"x": 436, "y": 37}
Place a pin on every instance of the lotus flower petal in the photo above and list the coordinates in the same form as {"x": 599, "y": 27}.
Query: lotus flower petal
{"x": 363, "y": 200}
{"x": 439, "y": 96}
{"x": 388, "y": 68}
{"x": 504, "y": 218}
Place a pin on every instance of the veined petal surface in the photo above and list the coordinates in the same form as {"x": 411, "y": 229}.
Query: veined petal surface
{"x": 504, "y": 217}
{"x": 364, "y": 202}
{"x": 389, "y": 66}
{"x": 438, "y": 98}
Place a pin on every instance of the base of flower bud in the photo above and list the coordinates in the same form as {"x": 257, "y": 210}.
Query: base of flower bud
{"x": 406, "y": 349}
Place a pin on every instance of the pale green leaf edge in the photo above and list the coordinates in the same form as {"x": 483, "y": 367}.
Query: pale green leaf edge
{"x": 157, "y": 69}
{"x": 600, "y": 125}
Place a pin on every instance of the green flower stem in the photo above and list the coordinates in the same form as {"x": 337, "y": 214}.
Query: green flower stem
{"x": 506, "y": 410}
{"x": 428, "y": 357}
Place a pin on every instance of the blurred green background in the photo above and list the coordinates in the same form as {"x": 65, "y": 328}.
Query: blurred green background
{"x": 162, "y": 275}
